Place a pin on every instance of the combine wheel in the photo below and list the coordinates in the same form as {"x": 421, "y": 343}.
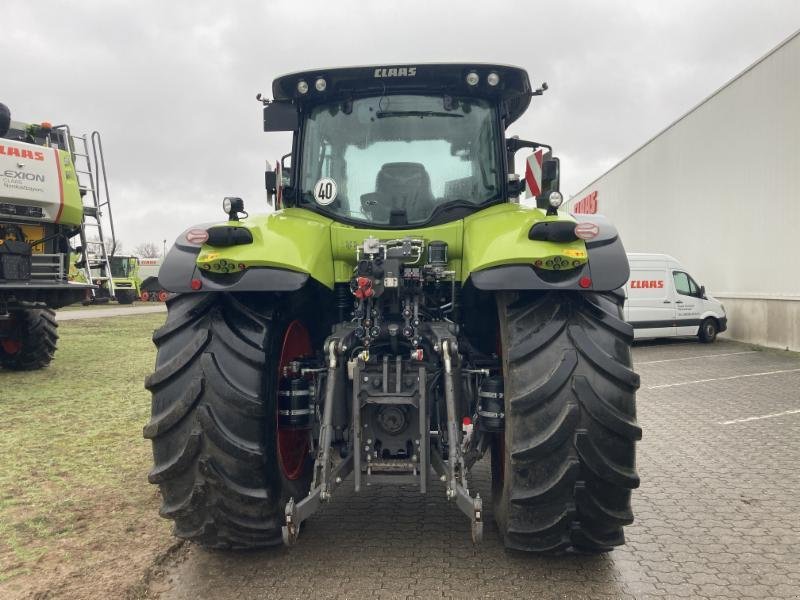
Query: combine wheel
{"x": 33, "y": 342}
{"x": 163, "y": 296}
{"x": 564, "y": 468}
{"x": 125, "y": 296}
{"x": 224, "y": 469}
{"x": 145, "y": 296}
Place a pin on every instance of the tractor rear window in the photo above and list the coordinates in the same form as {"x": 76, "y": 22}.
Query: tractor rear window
{"x": 394, "y": 160}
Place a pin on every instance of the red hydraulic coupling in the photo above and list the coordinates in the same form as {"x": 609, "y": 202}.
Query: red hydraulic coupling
{"x": 363, "y": 288}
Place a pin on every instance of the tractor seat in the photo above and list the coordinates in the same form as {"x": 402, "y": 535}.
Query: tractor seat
{"x": 406, "y": 186}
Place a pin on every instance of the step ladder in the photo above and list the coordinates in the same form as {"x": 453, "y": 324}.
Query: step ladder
{"x": 97, "y": 236}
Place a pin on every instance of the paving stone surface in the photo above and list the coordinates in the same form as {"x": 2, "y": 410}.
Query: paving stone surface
{"x": 716, "y": 514}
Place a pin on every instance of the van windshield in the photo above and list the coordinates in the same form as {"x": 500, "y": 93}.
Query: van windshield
{"x": 394, "y": 160}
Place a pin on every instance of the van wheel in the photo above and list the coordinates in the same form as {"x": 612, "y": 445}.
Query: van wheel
{"x": 708, "y": 330}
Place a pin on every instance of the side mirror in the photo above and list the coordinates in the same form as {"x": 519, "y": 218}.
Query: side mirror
{"x": 280, "y": 116}
{"x": 271, "y": 185}
{"x": 702, "y": 291}
{"x": 551, "y": 174}
{"x": 5, "y": 119}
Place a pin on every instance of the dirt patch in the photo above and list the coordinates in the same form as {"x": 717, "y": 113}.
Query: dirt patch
{"x": 106, "y": 551}
{"x": 153, "y": 582}
{"x": 77, "y": 516}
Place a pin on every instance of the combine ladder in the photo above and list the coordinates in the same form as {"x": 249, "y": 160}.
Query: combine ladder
{"x": 91, "y": 170}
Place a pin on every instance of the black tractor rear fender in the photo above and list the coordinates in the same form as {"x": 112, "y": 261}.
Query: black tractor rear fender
{"x": 606, "y": 270}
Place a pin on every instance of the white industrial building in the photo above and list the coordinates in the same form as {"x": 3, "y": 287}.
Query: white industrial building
{"x": 719, "y": 189}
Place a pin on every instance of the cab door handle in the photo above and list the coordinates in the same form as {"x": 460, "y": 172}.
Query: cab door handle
{"x": 678, "y": 301}
{"x": 667, "y": 301}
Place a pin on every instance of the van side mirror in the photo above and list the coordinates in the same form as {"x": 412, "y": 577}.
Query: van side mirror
{"x": 280, "y": 116}
{"x": 702, "y": 291}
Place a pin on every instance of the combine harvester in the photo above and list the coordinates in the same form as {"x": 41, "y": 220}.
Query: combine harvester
{"x": 151, "y": 290}
{"x": 53, "y": 191}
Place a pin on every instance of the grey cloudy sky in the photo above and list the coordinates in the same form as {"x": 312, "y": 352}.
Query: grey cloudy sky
{"x": 171, "y": 85}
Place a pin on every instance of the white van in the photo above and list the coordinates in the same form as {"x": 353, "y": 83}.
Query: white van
{"x": 662, "y": 300}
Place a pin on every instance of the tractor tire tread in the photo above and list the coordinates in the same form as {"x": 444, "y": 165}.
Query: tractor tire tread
{"x": 210, "y": 461}
{"x": 570, "y": 422}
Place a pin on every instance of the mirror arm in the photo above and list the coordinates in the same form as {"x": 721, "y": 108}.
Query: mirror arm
{"x": 514, "y": 144}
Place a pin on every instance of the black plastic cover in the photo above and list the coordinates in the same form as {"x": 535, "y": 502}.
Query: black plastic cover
{"x": 15, "y": 260}
{"x": 553, "y": 231}
{"x": 228, "y": 235}
{"x": 513, "y": 89}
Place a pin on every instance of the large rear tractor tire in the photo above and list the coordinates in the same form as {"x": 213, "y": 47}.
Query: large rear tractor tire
{"x": 564, "y": 469}
{"x": 33, "y": 342}
{"x": 214, "y": 419}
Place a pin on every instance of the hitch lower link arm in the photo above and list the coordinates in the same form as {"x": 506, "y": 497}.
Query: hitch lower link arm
{"x": 456, "y": 469}
{"x": 327, "y": 476}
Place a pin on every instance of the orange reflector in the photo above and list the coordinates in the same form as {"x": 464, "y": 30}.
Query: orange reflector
{"x": 196, "y": 284}
{"x": 585, "y": 282}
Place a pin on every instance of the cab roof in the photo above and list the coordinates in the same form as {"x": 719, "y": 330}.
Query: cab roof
{"x": 513, "y": 89}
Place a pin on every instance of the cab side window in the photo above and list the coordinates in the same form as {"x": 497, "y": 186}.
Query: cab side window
{"x": 682, "y": 283}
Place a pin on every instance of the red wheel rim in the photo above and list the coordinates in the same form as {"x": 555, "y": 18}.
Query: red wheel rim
{"x": 145, "y": 296}
{"x": 11, "y": 346}
{"x": 162, "y": 296}
{"x": 293, "y": 444}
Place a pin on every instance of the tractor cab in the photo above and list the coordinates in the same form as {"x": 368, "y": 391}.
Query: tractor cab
{"x": 403, "y": 146}
{"x": 124, "y": 267}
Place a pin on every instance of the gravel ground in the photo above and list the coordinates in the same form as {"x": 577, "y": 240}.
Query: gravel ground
{"x": 112, "y": 311}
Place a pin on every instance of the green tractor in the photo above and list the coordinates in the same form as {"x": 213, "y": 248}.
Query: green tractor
{"x": 397, "y": 318}
{"x": 125, "y": 275}
{"x": 124, "y": 280}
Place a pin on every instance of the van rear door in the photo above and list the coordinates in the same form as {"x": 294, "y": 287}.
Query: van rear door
{"x": 651, "y": 310}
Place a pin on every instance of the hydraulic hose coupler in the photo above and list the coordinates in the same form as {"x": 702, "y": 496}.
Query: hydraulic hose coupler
{"x": 491, "y": 405}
